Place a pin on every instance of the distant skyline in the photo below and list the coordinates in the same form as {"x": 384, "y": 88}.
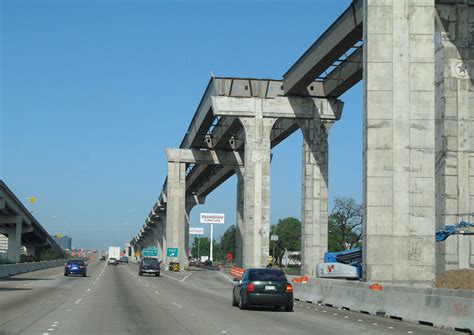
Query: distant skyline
{"x": 93, "y": 92}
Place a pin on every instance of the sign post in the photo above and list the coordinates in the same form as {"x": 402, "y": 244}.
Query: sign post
{"x": 212, "y": 218}
{"x": 196, "y": 231}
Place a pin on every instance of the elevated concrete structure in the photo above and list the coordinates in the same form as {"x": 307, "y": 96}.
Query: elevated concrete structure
{"x": 455, "y": 129}
{"x": 21, "y": 228}
{"x": 417, "y": 134}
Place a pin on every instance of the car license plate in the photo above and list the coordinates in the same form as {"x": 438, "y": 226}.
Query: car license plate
{"x": 270, "y": 288}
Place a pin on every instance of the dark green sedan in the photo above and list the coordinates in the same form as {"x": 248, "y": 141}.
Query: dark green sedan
{"x": 263, "y": 287}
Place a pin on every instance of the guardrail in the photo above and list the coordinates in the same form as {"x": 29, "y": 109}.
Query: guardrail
{"x": 444, "y": 308}
{"x": 7, "y": 270}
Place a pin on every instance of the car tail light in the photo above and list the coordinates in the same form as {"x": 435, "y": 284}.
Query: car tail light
{"x": 289, "y": 288}
{"x": 250, "y": 287}
{"x": 82, "y": 267}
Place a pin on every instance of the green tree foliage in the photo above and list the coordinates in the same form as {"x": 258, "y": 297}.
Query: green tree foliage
{"x": 345, "y": 224}
{"x": 228, "y": 241}
{"x": 202, "y": 244}
{"x": 289, "y": 237}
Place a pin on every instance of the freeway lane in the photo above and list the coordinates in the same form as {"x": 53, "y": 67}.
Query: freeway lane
{"x": 115, "y": 300}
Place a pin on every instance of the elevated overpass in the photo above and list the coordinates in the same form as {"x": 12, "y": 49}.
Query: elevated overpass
{"x": 21, "y": 228}
{"x": 412, "y": 78}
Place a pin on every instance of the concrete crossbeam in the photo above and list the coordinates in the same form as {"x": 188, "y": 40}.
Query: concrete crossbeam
{"x": 207, "y": 157}
{"x": 279, "y": 107}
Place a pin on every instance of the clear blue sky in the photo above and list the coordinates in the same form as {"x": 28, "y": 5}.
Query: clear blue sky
{"x": 92, "y": 92}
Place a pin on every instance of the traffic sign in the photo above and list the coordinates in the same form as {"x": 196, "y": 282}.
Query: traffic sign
{"x": 172, "y": 252}
{"x": 150, "y": 252}
{"x": 274, "y": 238}
{"x": 196, "y": 231}
{"x": 229, "y": 256}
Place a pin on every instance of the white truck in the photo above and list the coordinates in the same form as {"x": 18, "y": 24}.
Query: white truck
{"x": 114, "y": 253}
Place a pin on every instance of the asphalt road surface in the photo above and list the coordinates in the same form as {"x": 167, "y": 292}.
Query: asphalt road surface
{"x": 115, "y": 300}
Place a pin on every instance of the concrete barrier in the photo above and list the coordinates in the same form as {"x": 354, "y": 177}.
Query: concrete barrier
{"x": 7, "y": 270}
{"x": 444, "y": 308}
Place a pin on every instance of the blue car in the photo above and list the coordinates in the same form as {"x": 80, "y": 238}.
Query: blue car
{"x": 75, "y": 267}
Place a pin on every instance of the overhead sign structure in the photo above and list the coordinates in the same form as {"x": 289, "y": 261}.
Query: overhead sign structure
{"x": 150, "y": 252}
{"x": 172, "y": 252}
{"x": 213, "y": 218}
{"x": 196, "y": 231}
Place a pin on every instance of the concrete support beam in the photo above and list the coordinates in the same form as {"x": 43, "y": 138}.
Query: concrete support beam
{"x": 256, "y": 190}
{"x": 176, "y": 211}
{"x": 208, "y": 157}
{"x": 314, "y": 203}
{"x": 279, "y": 107}
{"x": 14, "y": 243}
{"x": 239, "y": 217}
{"x": 454, "y": 130}
{"x": 399, "y": 142}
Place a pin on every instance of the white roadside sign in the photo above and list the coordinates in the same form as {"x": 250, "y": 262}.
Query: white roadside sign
{"x": 196, "y": 231}
{"x": 213, "y": 218}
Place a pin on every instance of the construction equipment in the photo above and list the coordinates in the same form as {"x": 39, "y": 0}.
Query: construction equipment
{"x": 348, "y": 263}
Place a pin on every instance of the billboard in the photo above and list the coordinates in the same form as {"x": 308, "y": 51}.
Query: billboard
{"x": 216, "y": 218}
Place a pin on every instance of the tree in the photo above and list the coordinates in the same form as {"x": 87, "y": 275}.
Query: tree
{"x": 202, "y": 245}
{"x": 228, "y": 241}
{"x": 289, "y": 237}
{"x": 345, "y": 224}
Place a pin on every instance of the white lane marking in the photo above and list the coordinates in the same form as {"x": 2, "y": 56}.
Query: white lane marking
{"x": 53, "y": 325}
{"x": 223, "y": 331}
{"x": 45, "y": 333}
{"x": 346, "y": 317}
{"x": 93, "y": 283}
{"x": 189, "y": 275}
{"x": 374, "y": 324}
{"x": 88, "y": 290}
{"x": 68, "y": 310}
{"x": 78, "y": 301}
{"x": 50, "y": 329}
{"x": 324, "y": 311}
{"x": 56, "y": 322}
{"x": 359, "y": 320}
{"x": 390, "y": 327}
{"x": 147, "y": 285}
{"x": 308, "y": 307}
{"x": 157, "y": 292}
{"x": 315, "y": 309}
{"x": 335, "y": 314}
{"x": 410, "y": 332}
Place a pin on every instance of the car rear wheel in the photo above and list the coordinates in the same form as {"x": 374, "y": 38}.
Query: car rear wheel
{"x": 289, "y": 308}
{"x": 84, "y": 275}
{"x": 242, "y": 306}
{"x": 65, "y": 274}
{"x": 157, "y": 274}
{"x": 234, "y": 303}
{"x": 140, "y": 273}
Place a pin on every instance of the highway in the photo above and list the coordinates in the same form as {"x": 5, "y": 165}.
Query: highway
{"x": 115, "y": 300}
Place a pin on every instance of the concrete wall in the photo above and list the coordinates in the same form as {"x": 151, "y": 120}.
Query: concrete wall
{"x": 454, "y": 130}
{"x": 8, "y": 270}
{"x": 441, "y": 307}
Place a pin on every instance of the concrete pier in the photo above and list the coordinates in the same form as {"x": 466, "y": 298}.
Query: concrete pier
{"x": 399, "y": 142}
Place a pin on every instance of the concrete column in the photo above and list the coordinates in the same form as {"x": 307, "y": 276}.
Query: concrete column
{"x": 14, "y": 243}
{"x": 176, "y": 211}
{"x": 159, "y": 239}
{"x": 239, "y": 218}
{"x": 399, "y": 142}
{"x": 257, "y": 189}
{"x": 454, "y": 130}
{"x": 191, "y": 201}
{"x": 314, "y": 203}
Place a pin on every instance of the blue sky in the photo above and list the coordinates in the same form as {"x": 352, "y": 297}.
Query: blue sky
{"x": 92, "y": 92}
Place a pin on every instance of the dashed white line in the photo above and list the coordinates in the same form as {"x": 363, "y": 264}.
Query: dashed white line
{"x": 157, "y": 292}
{"x": 389, "y": 327}
{"x": 78, "y": 301}
{"x": 88, "y": 290}
{"x": 68, "y": 310}
{"x": 359, "y": 320}
{"x": 147, "y": 285}
{"x": 346, "y": 317}
{"x": 53, "y": 325}
{"x": 50, "y": 329}
{"x": 374, "y": 324}
{"x": 45, "y": 333}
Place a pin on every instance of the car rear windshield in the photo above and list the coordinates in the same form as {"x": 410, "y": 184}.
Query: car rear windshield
{"x": 78, "y": 262}
{"x": 150, "y": 261}
{"x": 267, "y": 275}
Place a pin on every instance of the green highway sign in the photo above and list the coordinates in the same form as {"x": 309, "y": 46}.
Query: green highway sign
{"x": 172, "y": 252}
{"x": 150, "y": 252}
